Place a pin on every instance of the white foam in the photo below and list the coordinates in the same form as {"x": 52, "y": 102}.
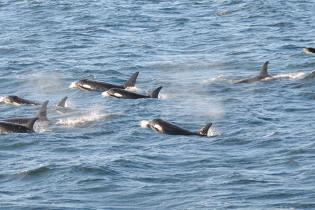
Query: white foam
{"x": 73, "y": 85}
{"x": 144, "y": 123}
{"x": 2, "y": 99}
{"x": 290, "y": 76}
{"x": 82, "y": 119}
{"x": 105, "y": 94}
{"x": 212, "y": 132}
{"x": 163, "y": 96}
{"x": 41, "y": 126}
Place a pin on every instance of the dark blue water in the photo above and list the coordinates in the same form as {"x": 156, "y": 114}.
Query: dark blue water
{"x": 100, "y": 158}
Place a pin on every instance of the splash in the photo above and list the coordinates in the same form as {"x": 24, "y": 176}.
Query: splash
{"x": 41, "y": 126}
{"x": 105, "y": 94}
{"x": 88, "y": 117}
{"x": 212, "y": 132}
{"x": 163, "y": 96}
{"x": 290, "y": 76}
{"x": 73, "y": 85}
{"x": 81, "y": 120}
{"x": 144, "y": 123}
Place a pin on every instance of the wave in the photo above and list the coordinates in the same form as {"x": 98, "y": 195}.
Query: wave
{"x": 34, "y": 172}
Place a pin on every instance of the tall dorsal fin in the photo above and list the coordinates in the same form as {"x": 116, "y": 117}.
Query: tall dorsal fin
{"x": 62, "y": 102}
{"x": 264, "y": 70}
{"x": 30, "y": 124}
{"x": 42, "y": 113}
{"x": 131, "y": 82}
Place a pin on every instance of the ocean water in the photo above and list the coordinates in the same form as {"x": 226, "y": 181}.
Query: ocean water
{"x": 262, "y": 155}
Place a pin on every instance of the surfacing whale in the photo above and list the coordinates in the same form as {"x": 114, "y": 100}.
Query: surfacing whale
{"x": 262, "y": 75}
{"x": 309, "y": 50}
{"x": 161, "y": 126}
{"x": 92, "y": 85}
{"x": 125, "y": 94}
{"x": 15, "y": 100}
{"x": 8, "y": 127}
{"x": 41, "y": 116}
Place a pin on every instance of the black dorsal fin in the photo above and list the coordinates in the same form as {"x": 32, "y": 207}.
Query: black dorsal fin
{"x": 31, "y": 123}
{"x": 204, "y": 130}
{"x": 131, "y": 82}
{"x": 264, "y": 70}
{"x": 62, "y": 102}
{"x": 155, "y": 93}
{"x": 42, "y": 113}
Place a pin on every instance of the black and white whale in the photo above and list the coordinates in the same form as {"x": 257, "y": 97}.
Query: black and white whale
{"x": 162, "y": 126}
{"x": 125, "y": 94}
{"x": 92, "y": 85}
{"x": 8, "y": 127}
{"x": 262, "y": 75}
{"x": 309, "y": 50}
{"x": 25, "y": 121}
{"x": 15, "y": 100}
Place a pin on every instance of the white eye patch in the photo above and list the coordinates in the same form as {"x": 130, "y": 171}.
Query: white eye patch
{"x": 158, "y": 128}
{"x": 118, "y": 95}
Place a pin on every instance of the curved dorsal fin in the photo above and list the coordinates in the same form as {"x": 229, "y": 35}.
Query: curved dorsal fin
{"x": 62, "y": 102}
{"x": 155, "y": 93}
{"x": 131, "y": 82}
{"x": 264, "y": 70}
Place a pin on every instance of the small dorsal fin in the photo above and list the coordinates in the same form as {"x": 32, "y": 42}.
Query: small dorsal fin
{"x": 30, "y": 124}
{"x": 204, "y": 130}
{"x": 131, "y": 82}
{"x": 264, "y": 70}
{"x": 42, "y": 113}
{"x": 155, "y": 93}
{"x": 62, "y": 102}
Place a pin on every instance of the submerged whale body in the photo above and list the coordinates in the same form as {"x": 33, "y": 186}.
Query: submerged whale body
{"x": 91, "y": 85}
{"x": 161, "y": 126}
{"x": 125, "y": 94}
{"x": 262, "y": 75}
{"x": 15, "y": 100}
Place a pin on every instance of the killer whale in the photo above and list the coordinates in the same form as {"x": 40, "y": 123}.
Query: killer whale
{"x": 309, "y": 50}
{"x": 41, "y": 116}
{"x": 15, "y": 100}
{"x": 161, "y": 126}
{"x": 262, "y": 75}
{"x": 125, "y": 94}
{"x": 91, "y": 85}
{"x": 8, "y": 127}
